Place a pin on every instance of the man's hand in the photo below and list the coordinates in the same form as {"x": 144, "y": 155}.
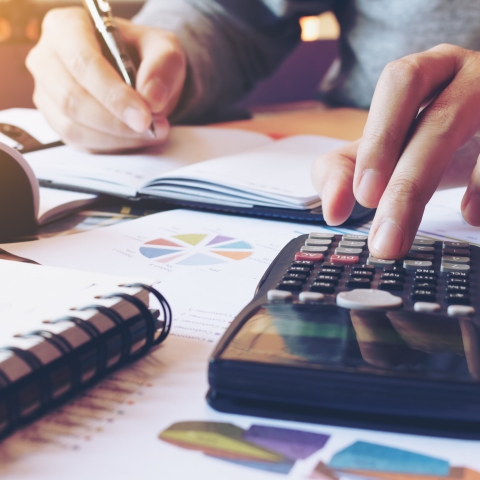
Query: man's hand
{"x": 403, "y": 154}
{"x": 83, "y": 97}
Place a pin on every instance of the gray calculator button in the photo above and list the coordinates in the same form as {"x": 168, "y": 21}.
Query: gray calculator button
{"x": 315, "y": 242}
{"x": 379, "y": 262}
{"x": 422, "y": 241}
{"x": 321, "y": 235}
{"x": 311, "y": 297}
{"x": 279, "y": 295}
{"x": 368, "y": 299}
{"x": 460, "y": 310}
{"x": 426, "y": 307}
{"x": 355, "y": 238}
{"x": 348, "y": 251}
{"x": 451, "y": 259}
{"x": 416, "y": 264}
{"x": 454, "y": 267}
{"x": 312, "y": 249}
{"x": 422, "y": 248}
{"x": 456, "y": 245}
{"x": 351, "y": 244}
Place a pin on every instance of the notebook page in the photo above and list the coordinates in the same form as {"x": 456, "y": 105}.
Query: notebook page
{"x": 278, "y": 170}
{"x": 126, "y": 174}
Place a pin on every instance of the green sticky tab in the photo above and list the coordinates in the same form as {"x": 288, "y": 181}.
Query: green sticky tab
{"x": 368, "y": 456}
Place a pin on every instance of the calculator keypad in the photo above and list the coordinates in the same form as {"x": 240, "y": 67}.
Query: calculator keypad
{"x": 433, "y": 277}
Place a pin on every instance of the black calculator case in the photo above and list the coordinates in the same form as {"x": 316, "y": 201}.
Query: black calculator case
{"x": 402, "y": 370}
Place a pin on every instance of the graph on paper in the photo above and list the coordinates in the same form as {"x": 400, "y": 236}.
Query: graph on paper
{"x": 196, "y": 249}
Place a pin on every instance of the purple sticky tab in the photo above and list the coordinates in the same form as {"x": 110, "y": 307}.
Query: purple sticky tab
{"x": 293, "y": 444}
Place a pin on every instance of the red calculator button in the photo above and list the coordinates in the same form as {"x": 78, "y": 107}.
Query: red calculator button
{"x": 344, "y": 259}
{"x": 312, "y": 257}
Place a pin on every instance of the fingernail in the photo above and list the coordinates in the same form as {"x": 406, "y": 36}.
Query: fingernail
{"x": 156, "y": 94}
{"x": 370, "y": 188}
{"x": 388, "y": 240}
{"x": 136, "y": 119}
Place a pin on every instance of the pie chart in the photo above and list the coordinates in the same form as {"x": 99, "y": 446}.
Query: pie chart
{"x": 196, "y": 249}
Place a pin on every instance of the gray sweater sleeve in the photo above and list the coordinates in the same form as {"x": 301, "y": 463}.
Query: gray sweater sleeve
{"x": 230, "y": 44}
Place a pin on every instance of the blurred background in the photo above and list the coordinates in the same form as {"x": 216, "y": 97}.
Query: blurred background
{"x": 296, "y": 80}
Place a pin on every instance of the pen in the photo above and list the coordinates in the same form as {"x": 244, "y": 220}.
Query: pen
{"x": 112, "y": 43}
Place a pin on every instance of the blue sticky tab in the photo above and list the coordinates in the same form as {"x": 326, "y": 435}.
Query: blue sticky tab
{"x": 368, "y": 456}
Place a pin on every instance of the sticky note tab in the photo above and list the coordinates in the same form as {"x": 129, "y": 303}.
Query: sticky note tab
{"x": 294, "y": 444}
{"x": 368, "y": 456}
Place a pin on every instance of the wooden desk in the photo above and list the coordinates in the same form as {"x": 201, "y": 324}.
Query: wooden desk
{"x": 307, "y": 118}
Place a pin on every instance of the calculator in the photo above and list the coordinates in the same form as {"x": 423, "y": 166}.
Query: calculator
{"x": 335, "y": 335}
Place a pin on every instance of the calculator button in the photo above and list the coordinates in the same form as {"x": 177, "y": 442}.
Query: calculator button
{"x": 348, "y": 244}
{"x": 344, "y": 259}
{"x": 457, "y": 281}
{"x": 451, "y": 259}
{"x": 457, "y": 288}
{"x": 425, "y": 278}
{"x": 362, "y": 274}
{"x": 358, "y": 282}
{"x": 322, "y": 287}
{"x": 279, "y": 295}
{"x": 295, "y": 276}
{"x": 316, "y": 242}
{"x": 420, "y": 256}
{"x": 421, "y": 241}
{"x": 422, "y": 248}
{"x": 454, "y": 267}
{"x": 290, "y": 285}
{"x": 390, "y": 285}
{"x": 302, "y": 270}
{"x": 458, "y": 298}
{"x": 416, "y": 264}
{"x": 336, "y": 266}
{"x": 393, "y": 276}
{"x": 321, "y": 235}
{"x": 368, "y": 299}
{"x": 364, "y": 268}
{"x": 461, "y": 252}
{"x": 460, "y": 310}
{"x": 456, "y": 245}
{"x": 426, "y": 271}
{"x": 312, "y": 257}
{"x": 311, "y": 297}
{"x": 303, "y": 263}
{"x": 348, "y": 251}
{"x": 355, "y": 238}
{"x": 314, "y": 249}
{"x": 419, "y": 295}
{"x": 425, "y": 285}
{"x": 394, "y": 269}
{"x": 327, "y": 278}
{"x": 426, "y": 307}
{"x": 379, "y": 262}
{"x": 463, "y": 275}
{"x": 330, "y": 271}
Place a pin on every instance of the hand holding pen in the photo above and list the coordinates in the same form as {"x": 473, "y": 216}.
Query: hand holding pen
{"x": 85, "y": 98}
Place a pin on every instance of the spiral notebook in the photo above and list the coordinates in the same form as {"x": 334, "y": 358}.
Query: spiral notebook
{"x": 61, "y": 330}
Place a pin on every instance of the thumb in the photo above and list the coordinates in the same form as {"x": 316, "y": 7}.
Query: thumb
{"x": 162, "y": 69}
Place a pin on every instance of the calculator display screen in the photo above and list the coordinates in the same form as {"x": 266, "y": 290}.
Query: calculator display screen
{"x": 396, "y": 343}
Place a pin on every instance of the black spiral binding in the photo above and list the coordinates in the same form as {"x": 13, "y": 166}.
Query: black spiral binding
{"x": 96, "y": 340}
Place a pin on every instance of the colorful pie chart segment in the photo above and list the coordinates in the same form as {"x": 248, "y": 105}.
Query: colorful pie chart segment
{"x": 196, "y": 249}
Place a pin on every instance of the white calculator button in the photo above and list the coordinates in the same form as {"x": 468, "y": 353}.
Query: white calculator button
{"x": 454, "y": 267}
{"x": 311, "y": 297}
{"x": 451, "y": 259}
{"x": 426, "y": 307}
{"x": 321, "y": 235}
{"x": 310, "y": 249}
{"x": 368, "y": 299}
{"x": 422, "y": 241}
{"x": 314, "y": 242}
{"x": 348, "y": 251}
{"x": 460, "y": 310}
{"x": 456, "y": 245}
{"x": 422, "y": 248}
{"x": 279, "y": 295}
{"x": 416, "y": 264}
{"x": 355, "y": 238}
{"x": 379, "y": 262}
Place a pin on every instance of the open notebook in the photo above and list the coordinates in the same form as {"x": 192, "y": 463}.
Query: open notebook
{"x": 214, "y": 168}
{"x": 61, "y": 330}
